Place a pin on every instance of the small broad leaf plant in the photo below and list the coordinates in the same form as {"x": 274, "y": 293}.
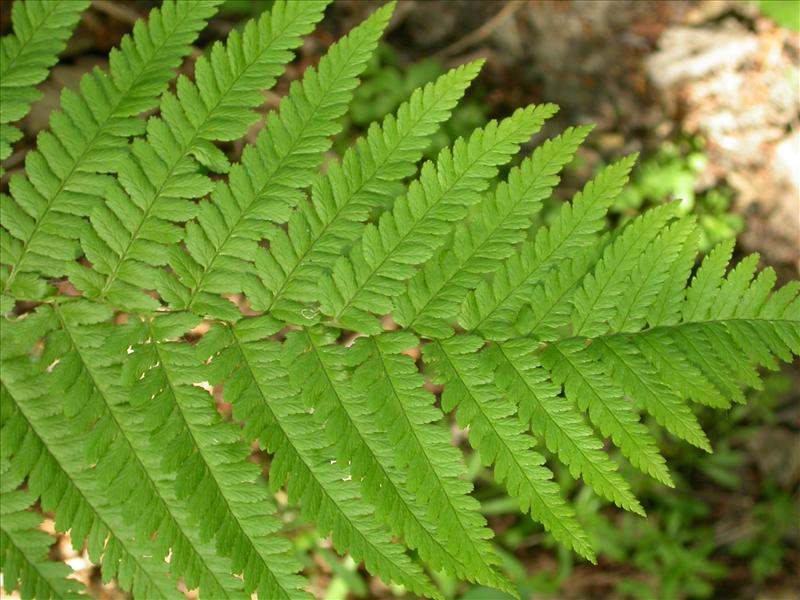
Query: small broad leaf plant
{"x": 141, "y": 267}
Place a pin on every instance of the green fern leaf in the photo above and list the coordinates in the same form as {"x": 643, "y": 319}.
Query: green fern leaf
{"x": 320, "y": 369}
{"x": 586, "y": 385}
{"x": 56, "y": 472}
{"x": 649, "y": 277}
{"x": 492, "y": 306}
{"x": 318, "y": 230}
{"x": 431, "y": 466}
{"x": 213, "y": 476}
{"x": 41, "y": 30}
{"x": 433, "y": 296}
{"x": 117, "y": 444}
{"x": 561, "y": 427}
{"x": 63, "y": 182}
{"x": 388, "y": 252}
{"x": 500, "y": 439}
{"x": 557, "y": 329}
{"x": 596, "y": 301}
{"x": 258, "y": 387}
{"x": 264, "y": 188}
{"x": 131, "y": 235}
{"x": 701, "y": 294}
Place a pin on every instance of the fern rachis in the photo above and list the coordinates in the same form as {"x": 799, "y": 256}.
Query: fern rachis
{"x": 547, "y": 339}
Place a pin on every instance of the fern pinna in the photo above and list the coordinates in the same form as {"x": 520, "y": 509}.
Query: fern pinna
{"x": 547, "y": 337}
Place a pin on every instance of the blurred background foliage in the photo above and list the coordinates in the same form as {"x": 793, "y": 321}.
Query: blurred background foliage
{"x": 731, "y": 527}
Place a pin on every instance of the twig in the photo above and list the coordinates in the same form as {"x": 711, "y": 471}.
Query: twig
{"x": 483, "y": 31}
{"x": 117, "y": 11}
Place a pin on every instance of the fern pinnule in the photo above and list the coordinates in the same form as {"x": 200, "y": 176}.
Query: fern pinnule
{"x": 705, "y": 283}
{"x": 672, "y": 364}
{"x": 545, "y": 313}
{"x": 319, "y": 372}
{"x": 631, "y": 372}
{"x": 64, "y": 178}
{"x": 666, "y": 307}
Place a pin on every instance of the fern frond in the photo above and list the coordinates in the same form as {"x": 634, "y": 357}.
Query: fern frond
{"x": 317, "y": 232}
{"x": 43, "y": 449}
{"x": 132, "y": 234}
{"x": 388, "y": 253}
{"x": 587, "y": 386}
{"x": 41, "y": 29}
{"x": 707, "y": 360}
{"x": 649, "y": 277}
{"x": 492, "y": 307}
{"x": 319, "y": 367}
{"x": 24, "y": 547}
{"x": 433, "y": 296}
{"x": 536, "y": 327}
{"x": 432, "y": 467}
{"x": 87, "y": 137}
{"x": 265, "y": 186}
{"x": 213, "y": 475}
{"x": 500, "y": 438}
{"x": 562, "y": 428}
{"x": 258, "y": 387}
{"x": 87, "y": 376}
{"x": 640, "y": 381}
{"x": 595, "y": 303}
